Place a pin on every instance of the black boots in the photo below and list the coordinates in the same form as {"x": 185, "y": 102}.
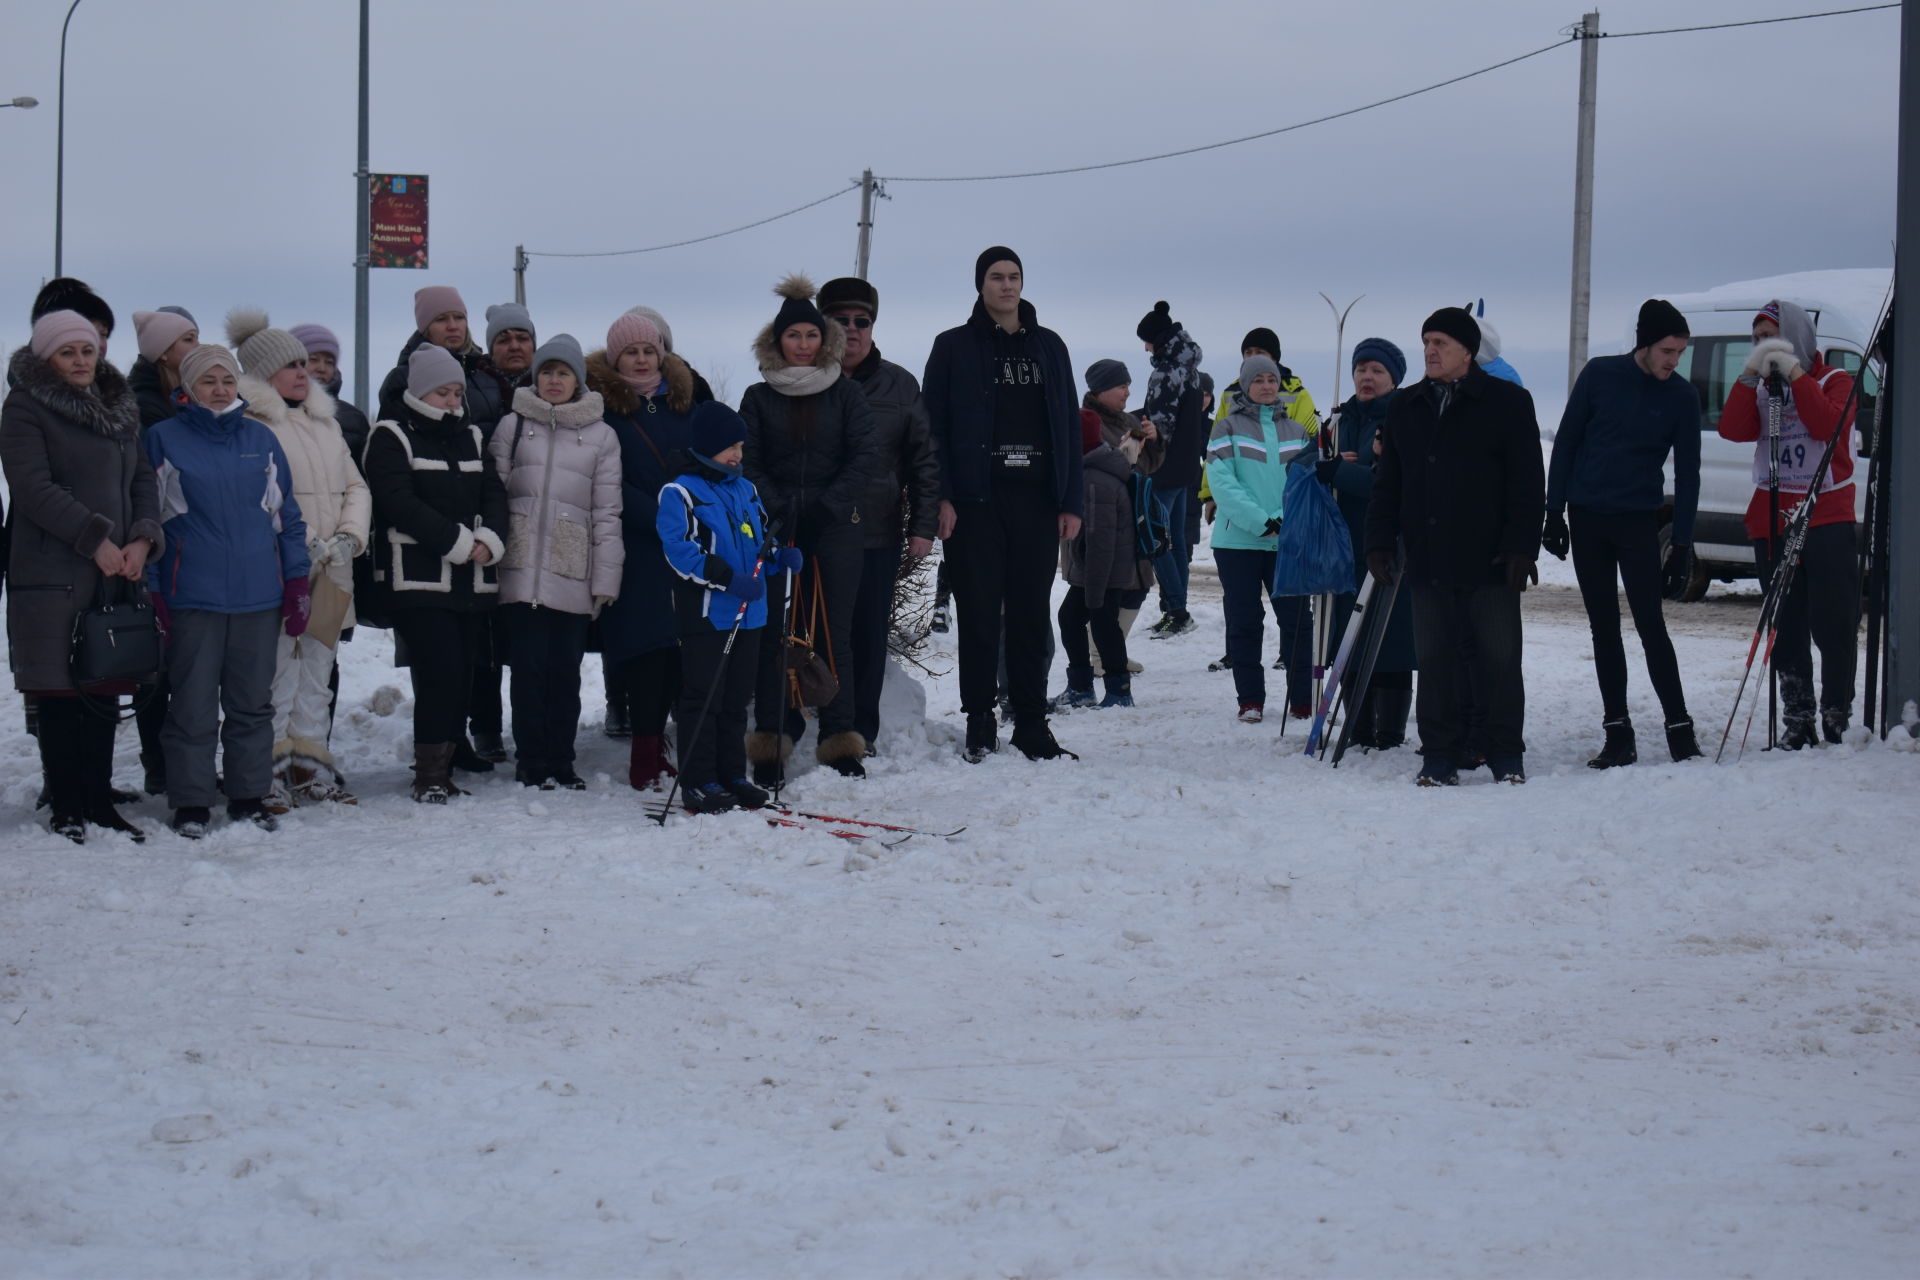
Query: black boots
{"x": 1619, "y": 749}
{"x": 433, "y": 773}
{"x": 1681, "y": 743}
{"x": 983, "y": 736}
{"x": 1390, "y": 708}
{"x": 1035, "y": 741}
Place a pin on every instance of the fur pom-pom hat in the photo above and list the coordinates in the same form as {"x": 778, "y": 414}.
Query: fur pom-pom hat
{"x": 798, "y": 308}
{"x": 263, "y": 351}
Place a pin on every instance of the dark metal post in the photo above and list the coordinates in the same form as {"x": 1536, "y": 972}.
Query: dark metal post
{"x": 363, "y": 232}
{"x": 60, "y": 153}
{"x": 1903, "y": 482}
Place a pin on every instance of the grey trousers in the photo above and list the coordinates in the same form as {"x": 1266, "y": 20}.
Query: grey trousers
{"x": 220, "y": 663}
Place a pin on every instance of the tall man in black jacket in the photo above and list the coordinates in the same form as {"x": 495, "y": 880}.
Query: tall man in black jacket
{"x": 1461, "y": 483}
{"x": 903, "y": 499}
{"x": 999, "y": 392}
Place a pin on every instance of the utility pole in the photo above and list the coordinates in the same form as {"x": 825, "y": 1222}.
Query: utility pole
{"x": 1902, "y": 492}
{"x": 867, "y": 189}
{"x": 363, "y": 232}
{"x": 60, "y": 152}
{"x": 1588, "y": 33}
{"x": 520, "y": 274}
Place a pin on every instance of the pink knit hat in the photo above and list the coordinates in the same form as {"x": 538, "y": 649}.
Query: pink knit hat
{"x": 435, "y": 300}
{"x": 159, "y": 330}
{"x": 629, "y": 329}
{"x": 56, "y": 329}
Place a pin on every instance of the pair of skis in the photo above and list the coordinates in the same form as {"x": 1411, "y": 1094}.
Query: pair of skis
{"x": 887, "y": 834}
{"x": 1372, "y": 610}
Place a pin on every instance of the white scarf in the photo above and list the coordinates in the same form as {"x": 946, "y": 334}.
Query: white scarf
{"x": 802, "y": 380}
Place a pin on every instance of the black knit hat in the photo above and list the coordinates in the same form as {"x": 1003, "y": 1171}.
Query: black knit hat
{"x": 1659, "y": 319}
{"x": 997, "y": 253}
{"x": 1262, "y": 340}
{"x": 1105, "y": 375}
{"x": 1157, "y": 325}
{"x": 850, "y": 291}
{"x": 1457, "y": 324}
{"x": 64, "y": 293}
{"x": 797, "y": 307}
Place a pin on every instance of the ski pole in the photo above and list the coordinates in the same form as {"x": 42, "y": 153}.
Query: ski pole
{"x": 1775, "y": 399}
{"x": 706, "y": 705}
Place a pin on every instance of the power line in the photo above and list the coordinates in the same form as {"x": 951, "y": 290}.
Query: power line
{"x": 679, "y": 244}
{"x": 1251, "y": 137}
{"x": 1750, "y": 22}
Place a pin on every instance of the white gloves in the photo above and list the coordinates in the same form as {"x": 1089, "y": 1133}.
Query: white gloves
{"x": 1769, "y": 356}
{"x": 344, "y": 548}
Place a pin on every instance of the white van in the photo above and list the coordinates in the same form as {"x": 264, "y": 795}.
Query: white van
{"x": 1844, "y": 305}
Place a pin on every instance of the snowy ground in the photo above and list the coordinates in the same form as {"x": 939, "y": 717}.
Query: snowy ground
{"x": 1193, "y": 1006}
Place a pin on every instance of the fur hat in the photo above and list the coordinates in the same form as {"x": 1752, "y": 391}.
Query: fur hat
{"x": 434, "y": 301}
{"x": 631, "y": 328}
{"x": 659, "y": 322}
{"x": 502, "y": 316}
{"x": 989, "y": 256}
{"x": 798, "y": 307}
{"x": 565, "y": 348}
{"x": 207, "y": 355}
{"x": 1157, "y": 325}
{"x": 317, "y": 339}
{"x": 1660, "y": 319}
{"x": 263, "y": 351}
{"x": 1456, "y": 324}
{"x": 56, "y": 329}
{"x": 431, "y": 367}
{"x": 850, "y": 291}
{"x": 1105, "y": 375}
{"x": 64, "y": 293}
{"x": 159, "y": 330}
{"x": 1385, "y": 353}
{"x": 1262, "y": 339}
{"x": 712, "y": 430}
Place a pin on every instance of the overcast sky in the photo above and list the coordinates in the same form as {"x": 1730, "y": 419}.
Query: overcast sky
{"x": 210, "y": 149}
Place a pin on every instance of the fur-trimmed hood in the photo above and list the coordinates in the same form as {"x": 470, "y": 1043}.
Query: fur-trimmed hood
{"x": 624, "y": 400}
{"x": 264, "y": 404}
{"x": 107, "y": 407}
{"x": 574, "y": 414}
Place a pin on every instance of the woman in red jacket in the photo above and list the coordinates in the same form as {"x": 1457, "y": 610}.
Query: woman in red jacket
{"x": 1823, "y": 604}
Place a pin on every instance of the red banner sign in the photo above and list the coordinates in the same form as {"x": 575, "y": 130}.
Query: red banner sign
{"x": 397, "y": 230}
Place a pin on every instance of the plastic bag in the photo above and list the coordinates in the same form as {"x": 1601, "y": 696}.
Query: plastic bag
{"x": 1314, "y": 555}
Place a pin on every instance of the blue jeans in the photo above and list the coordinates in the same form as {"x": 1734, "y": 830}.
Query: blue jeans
{"x": 1246, "y": 578}
{"x": 1170, "y": 566}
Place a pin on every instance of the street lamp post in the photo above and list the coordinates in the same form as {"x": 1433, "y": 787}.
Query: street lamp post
{"x": 22, "y": 101}
{"x": 60, "y": 146}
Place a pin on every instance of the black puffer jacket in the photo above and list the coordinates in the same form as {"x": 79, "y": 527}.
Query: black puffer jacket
{"x": 1462, "y": 486}
{"x": 1105, "y": 556}
{"x": 148, "y": 391}
{"x": 903, "y": 499}
{"x": 434, "y": 497}
{"x": 812, "y": 457}
{"x": 353, "y": 423}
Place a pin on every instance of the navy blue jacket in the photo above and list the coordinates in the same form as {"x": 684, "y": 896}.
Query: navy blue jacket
{"x": 1618, "y": 427}
{"x": 958, "y": 393}
{"x": 234, "y": 531}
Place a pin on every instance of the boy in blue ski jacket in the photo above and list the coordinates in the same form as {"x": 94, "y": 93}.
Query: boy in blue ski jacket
{"x": 714, "y": 532}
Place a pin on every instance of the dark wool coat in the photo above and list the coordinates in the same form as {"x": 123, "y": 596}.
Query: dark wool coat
{"x": 958, "y": 391}
{"x": 1105, "y": 557}
{"x": 811, "y": 457}
{"x": 434, "y": 496}
{"x": 76, "y": 477}
{"x": 1462, "y": 487}
{"x": 652, "y": 431}
{"x": 903, "y": 499}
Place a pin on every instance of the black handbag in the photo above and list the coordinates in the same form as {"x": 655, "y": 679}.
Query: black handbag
{"x": 116, "y": 639}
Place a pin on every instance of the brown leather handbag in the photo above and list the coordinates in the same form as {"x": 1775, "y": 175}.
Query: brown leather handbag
{"x": 812, "y": 680}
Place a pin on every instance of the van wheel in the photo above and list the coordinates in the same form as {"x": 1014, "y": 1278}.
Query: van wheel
{"x": 1697, "y": 580}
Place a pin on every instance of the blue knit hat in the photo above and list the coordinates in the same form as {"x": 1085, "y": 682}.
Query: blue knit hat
{"x": 1383, "y": 351}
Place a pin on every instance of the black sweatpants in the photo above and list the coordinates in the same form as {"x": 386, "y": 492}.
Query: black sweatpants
{"x": 76, "y": 754}
{"x": 1076, "y": 619}
{"x": 547, "y": 645}
{"x": 872, "y": 611}
{"x": 1822, "y": 607}
{"x": 1001, "y": 558}
{"x": 1627, "y": 545}
{"x": 441, "y": 646}
{"x": 836, "y": 549}
{"x": 652, "y": 683}
{"x": 714, "y": 749}
{"x": 1490, "y": 616}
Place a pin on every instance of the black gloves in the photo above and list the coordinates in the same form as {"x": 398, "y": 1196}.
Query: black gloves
{"x": 1380, "y": 565}
{"x": 1679, "y": 571}
{"x": 1520, "y": 570}
{"x": 1554, "y": 539}
{"x": 1326, "y": 469}
{"x": 1156, "y": 325}
{"x": 1273, "y": 527}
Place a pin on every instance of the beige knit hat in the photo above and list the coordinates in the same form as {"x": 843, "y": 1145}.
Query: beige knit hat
{"x": 263, "y": 351}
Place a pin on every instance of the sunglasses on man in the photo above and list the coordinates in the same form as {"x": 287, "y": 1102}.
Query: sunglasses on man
{"x": 854, "y": 321}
